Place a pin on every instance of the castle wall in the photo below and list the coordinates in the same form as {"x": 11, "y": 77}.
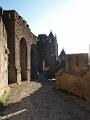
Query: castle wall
{"x": 76, "y": 79}
{"x": 22, "y": 31}
{"x": 3, "y": 59}
{"x": 76, "y": 62}
{"x": 76, "y": 84}
{"x": 18, "y": 33}
{"x": 9, "y": 20}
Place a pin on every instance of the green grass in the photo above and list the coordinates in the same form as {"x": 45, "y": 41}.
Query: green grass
{"x": 4, "y": 102}
{"x": 2, "y": 105}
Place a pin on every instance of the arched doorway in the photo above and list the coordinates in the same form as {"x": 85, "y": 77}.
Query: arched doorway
{"x": 23, "y": 59}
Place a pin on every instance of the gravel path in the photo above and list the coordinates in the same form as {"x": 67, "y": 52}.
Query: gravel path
{"x": 40, "y": 101}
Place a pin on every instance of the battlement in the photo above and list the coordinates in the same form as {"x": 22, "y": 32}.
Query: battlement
{"x": 6, "y": 12}
{"x": 21, "y": 21}
{"x": 14, "y": 16}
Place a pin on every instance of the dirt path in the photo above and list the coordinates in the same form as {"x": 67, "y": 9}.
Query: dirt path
{"x": 40, "y": 101}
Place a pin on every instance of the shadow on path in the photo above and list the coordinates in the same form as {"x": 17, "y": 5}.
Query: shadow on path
{"x": 48, "y": 104}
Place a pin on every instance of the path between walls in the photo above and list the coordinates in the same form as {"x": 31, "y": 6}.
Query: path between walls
{"x": 38, "y": 100}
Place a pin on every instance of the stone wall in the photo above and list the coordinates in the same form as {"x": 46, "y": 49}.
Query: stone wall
{"x": 19, "y": 40}
{"x": 8, "y": 18}
{"x": 76, "y": 62}
{"x": 76, "y": 78}
{"x": 3, "y": 59}
{"x": 76, "y": 84}
{"x": 23, "y": 37}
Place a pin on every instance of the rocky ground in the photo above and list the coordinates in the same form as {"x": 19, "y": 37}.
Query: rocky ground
{"x": 38, "y": 100}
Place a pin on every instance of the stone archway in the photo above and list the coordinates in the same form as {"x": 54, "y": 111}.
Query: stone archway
{"x": 23, "y": 59}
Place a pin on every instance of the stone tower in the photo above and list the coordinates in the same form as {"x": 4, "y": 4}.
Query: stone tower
{"x": 47, "y": 53}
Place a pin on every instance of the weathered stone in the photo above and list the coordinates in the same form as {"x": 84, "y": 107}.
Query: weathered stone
{"x": 17, "y": 38}
{"x": 3, "y": 59}
{"x": 20, "y": 38}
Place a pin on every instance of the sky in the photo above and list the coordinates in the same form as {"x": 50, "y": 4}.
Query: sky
{"x": 68, "y": 19}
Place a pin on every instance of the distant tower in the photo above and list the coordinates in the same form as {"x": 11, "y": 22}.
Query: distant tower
{"x": 89, "y": 56}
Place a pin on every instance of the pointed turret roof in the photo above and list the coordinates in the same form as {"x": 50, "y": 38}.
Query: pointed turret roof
{"x": 51, "y": 34}
{"x": 62, "y": 54}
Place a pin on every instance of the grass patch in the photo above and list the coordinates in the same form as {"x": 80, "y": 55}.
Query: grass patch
{"x": 2, "y": 106}
{"x": 4, "y": 102}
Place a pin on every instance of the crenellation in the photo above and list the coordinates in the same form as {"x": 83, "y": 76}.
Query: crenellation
{"x": 21, "y": 21}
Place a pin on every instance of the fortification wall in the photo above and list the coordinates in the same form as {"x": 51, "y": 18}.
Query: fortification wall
{"x": 23, "y": 34}
{"x": 3, "y": 59}
{"x": 76, "y": 84}
{"x": 18, "y": 33}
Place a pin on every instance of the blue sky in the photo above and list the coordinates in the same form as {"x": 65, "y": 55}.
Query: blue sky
{"x": 68, "y": 19}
